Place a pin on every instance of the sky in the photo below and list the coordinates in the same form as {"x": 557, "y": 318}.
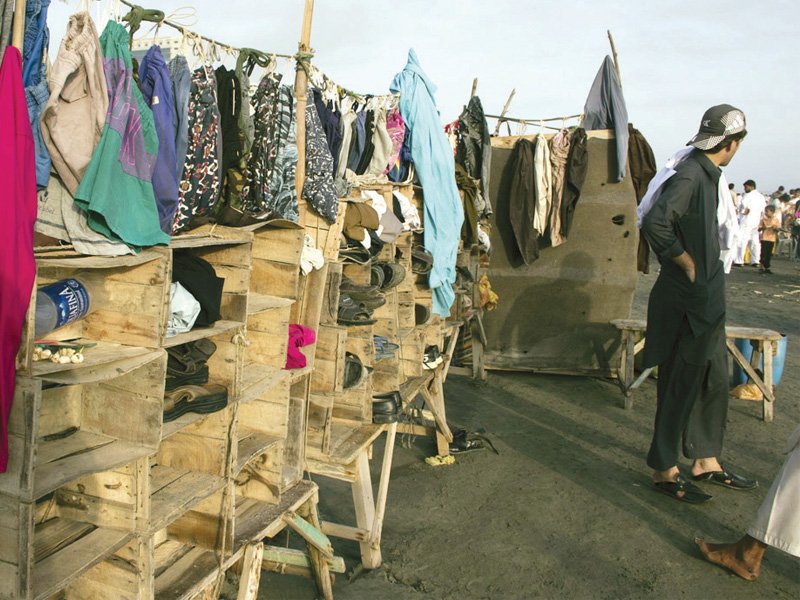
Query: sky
{"x": 676, "y": 58}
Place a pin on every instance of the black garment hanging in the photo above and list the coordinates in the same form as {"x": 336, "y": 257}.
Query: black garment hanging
{"x": 577, "y": 165}
{"x": 522, "y": 201}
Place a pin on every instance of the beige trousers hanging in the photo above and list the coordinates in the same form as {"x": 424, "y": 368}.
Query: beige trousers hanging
{"x": 778, "y": 521}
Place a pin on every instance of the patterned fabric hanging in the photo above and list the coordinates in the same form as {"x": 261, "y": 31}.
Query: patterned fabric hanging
{"x": 318, "y": 187}
{"x": 199, "y": 188}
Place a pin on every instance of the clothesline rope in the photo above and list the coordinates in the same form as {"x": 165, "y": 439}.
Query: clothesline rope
{"x": 302, "y": 59}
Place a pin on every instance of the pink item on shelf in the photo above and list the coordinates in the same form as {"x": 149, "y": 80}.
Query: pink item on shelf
{"x": 18, "y": 207}
{"x": 299, "y": 336}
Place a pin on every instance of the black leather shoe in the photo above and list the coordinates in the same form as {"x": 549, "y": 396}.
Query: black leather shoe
{"x": 727, "y": 478}
{"x": 386, "y": 407}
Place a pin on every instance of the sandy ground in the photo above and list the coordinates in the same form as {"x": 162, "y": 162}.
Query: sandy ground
{"x": 566, "y": 510}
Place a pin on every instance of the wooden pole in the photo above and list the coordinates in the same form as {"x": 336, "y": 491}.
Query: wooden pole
{"x": 18, "y": 30}
{"x": 301, "y": 94}
{"x": 474, "y": 87}
{"x": 504, "y": 111}
{"x": 614, "y": 55}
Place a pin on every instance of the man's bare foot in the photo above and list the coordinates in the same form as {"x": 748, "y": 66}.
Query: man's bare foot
{"x": 705, "y": 465}
{"x": 743, "y": 557}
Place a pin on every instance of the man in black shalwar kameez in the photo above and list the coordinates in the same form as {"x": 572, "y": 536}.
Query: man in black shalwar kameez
{"x": 686, "y": 314}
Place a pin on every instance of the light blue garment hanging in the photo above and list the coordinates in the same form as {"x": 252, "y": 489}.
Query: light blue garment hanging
{"x": 605, "y": 109}
{"x": 433, "y": 160}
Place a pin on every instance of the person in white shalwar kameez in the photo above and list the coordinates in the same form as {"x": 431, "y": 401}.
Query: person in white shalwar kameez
{"x": 777, "y": 522}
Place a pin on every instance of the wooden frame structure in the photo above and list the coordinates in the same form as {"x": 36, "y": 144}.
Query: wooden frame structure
{"x": 633, "y": 332}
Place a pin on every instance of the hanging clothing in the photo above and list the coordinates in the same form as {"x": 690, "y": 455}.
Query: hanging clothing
{"x": 409, "y": 213}
{"x": 577, "y": 165}
{"x": 75, "y": 115}
{"x": 283, "y": 193}
{"x": 18, "y": 205}
{"x": 318, "y": 188}
{"x": 369, "y": 143}
{"x": 474, "y": 149}
{"x": 37, "y": 37}
{"x": 330, "y": 118}
{"x": 117, "y": 190}
{"x": 181, "y": 78}
{"x": 357, "y": 141}
{"x": 157, "y": 93}
{"x": 559, "y": 153}
{"x": 433, "y": 160}
{"x": 347, "y": 122}
{"x": 229, "y": 101}
{"x": 468, "y": 188}
{"x": 396, "y": 128}
{"x": 381, "y": 144}
{"x": 200, "y": 186}
{"x": 403, "y": 170}
{"x": 246, "y": 124}
{"x": 605, "y": 109}
{"x": 521, "y": 198}
{"x": 543, "y": 174}
{"x": 270, "y": 186}
{"x": 643, "y": 168}
{"x": 59, "y": 217}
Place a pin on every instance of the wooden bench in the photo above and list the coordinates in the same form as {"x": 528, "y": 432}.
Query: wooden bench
{"x": 633, "y": 333}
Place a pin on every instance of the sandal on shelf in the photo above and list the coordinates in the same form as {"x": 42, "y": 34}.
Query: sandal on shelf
{"x": 355, "y": 253}
{"x": 353, "y": 313}
{"x": 189, "y": 358}
{"x": 194, "y": 398}
{"x": 354, "y": 371}
{"x": 683, "y": 490}
{"x": 393, "y": 274}
{"x": 176, "y": 381}
{"x": 377, "y": 276}
{"x": 421, "y": 260}
{"x": 422, "y": 313}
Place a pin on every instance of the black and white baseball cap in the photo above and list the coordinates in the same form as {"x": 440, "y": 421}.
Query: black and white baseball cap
{"x": 718, "y": 122}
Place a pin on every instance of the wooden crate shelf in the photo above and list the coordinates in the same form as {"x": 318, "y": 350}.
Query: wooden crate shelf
{"x": 175, "y": 491}
{"x": 218, "y": 328}
{"x": 56, "y": 571}
{"x": 257, "y": 379}
{"x": 84, "y": 424}
{"x": 258, "y": 520}
{"x": 251, "y": 445}
{"x": 190, "y": 570}
{"x": 258, "y": 303}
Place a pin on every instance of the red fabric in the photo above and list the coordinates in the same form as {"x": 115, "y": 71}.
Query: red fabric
{"x": 18, "y": 210}
{"x": 299, "y": 336}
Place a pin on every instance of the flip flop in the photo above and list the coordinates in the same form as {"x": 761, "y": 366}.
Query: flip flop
{"x": 691, "y": 493}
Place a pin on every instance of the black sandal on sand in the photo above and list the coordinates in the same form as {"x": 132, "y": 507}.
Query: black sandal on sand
{"x": 728, "y": 479}
{"x": 690, "y": 492}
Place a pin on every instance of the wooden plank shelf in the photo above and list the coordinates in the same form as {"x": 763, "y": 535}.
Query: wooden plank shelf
{"x": 258, "y": 303}
{"x": 171, "y": 427}
{"x": 211, "y": 235}
{"x": 258, "y": 378}
{"x": 202, "y": 332}
{"x": 81, "y": 453}
{"x": 258, "y": 520}
{"x": 101, "y": 362}
{"x": 347, "y": 441}
{"x": 176, "y": 491}
{"x": 80, "y": 261}
{"x": 184, "y": 578}
{"x": 251, "y": 445}
{"x": 298, "y": 374}
{"x": 57, "y": 570}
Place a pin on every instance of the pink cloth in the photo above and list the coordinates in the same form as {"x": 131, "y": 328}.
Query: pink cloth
{"x": 299, "y": 336}
{"x": 18, "y": 207}
{"x": 397, "y": 131}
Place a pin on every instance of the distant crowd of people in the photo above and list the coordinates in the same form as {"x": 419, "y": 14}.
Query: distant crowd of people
{"x": 764, "y": 223}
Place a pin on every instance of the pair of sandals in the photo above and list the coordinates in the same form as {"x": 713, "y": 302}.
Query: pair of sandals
{"x": 352, "y": 313}
{"x": 369, "y": 295}
{"x": 203, "y": 399}
{"x": 387, "y": 275}
{"x": 421, "y": 260}
{"x": 186, "y": 363}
